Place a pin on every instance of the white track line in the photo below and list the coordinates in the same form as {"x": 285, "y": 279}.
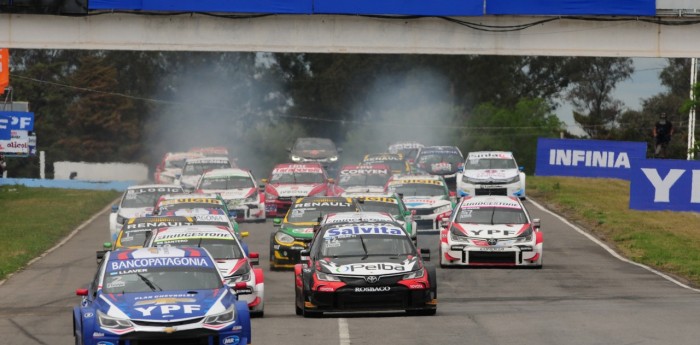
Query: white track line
{"x": 612, "y": 252}
{"x": 343, "y": 331}
{"x": 63, "y": 241}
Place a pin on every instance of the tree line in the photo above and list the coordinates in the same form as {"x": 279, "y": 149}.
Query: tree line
{"x": 128, "y": 106}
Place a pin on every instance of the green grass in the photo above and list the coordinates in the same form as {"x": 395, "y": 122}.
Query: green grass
{"x": 32, "y": 220}
{"x": 668, "y": 241}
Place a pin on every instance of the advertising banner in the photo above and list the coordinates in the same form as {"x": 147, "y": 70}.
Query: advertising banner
{"x": 230, "y": 6}
{"x": 18, "y": 144}
{"x": 401, "y": 7}
{"x": 571, "y": 7}
{"x": 665, "y": 184}
{"x": 5, "y": 131}
{"x": 19, "y": 120}
{"x": 4, "y": 69}
{"x": 587, "y": 158}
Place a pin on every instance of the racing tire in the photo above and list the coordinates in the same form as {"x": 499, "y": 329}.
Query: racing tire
{"x": 305, "y": 312}
{"x": 422, "y": 312}
{"x": 272, "y": 253}
{"x": 257, "y": 314}
{"x": 75, "y": 336}
{"x": 432, "y": 279}
{"x": 297, "y": 310}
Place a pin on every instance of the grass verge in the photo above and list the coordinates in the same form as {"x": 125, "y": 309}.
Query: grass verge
{"x": 32, "y": 220}
{"x": 668, "y": 241}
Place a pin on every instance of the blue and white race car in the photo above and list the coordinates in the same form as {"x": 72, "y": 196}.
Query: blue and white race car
{"x": 160, "y": 295}
{"x": 491, "y": 173}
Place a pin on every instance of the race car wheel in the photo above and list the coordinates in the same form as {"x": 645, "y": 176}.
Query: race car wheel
{"x": 260, "y": 313}
{"x": 307, "y": 313}
{"x": 422, "y": 312}
{"x": 297, "y": 310}
{"x": 272, "y": 252}
{"x": 432, "y": 279}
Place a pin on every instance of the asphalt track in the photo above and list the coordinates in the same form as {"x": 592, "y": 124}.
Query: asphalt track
{"x": 583, "y": 295}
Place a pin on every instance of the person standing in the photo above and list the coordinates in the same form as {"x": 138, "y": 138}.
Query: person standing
{"x": 3, "y": 165}
{"x": 663, "y": 130}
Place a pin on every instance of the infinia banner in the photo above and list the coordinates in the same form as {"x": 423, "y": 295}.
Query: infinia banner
{"x": 587, "y": 158}
{"x": 665, "y": 184}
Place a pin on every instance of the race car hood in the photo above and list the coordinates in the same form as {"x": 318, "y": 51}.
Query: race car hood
{"x": 164, "y": 306}
{"x": 372, "y": 265}
{"x": 287, "y": 190}
{"x": 362, "y": 190}
{"x": 189, "y": 180}
{"x": 315, "y": 154}
{"x": 232, "y": 194}
{"x": 441, "y": 168}
{"x": 194, "y": 212}
{"x": 171, "y": 172}
{"x": 136, "y": 212}
{"x": 491, "y": 174}
{"x": 414, "y": 202}
{"x": 486, "y": 231}
{"x": 228, "y": 267}
{"x": 299, "y": 230}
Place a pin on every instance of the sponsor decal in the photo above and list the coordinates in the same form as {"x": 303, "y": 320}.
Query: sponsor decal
{"x": 365, "y": 172}
{"x": 105, "y": 343}
{"x": 479, "y": 204}
{"x": 326, "y": 289}
{"x": 665, "y": 184}
{"x": 153, "y": 225}
{"x": 165, "y": 300}
{"x": 492, "y": 249}
{"x": 373, "y": 289}
{"x": 498, "y": 155}
{"x": 231, "y": 340}
{"x": 380, "y": 199}
{"x": 193, "y": 234}
{"x": 169, "y": 309}
{"x": 371, "y": 267}
{"x": 88, "y": 315}
{"x": 422, "y": 181}
{"x": 155, "y": 190}
{"x": 155, "y": 262}
{"x": 211, "y": 218}
{"x": 363, "y": 230}
{"x": 323, "y": 204}
{"x": 97, "y": 335}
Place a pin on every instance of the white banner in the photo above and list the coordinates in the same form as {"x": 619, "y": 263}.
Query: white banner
{"x": 18, "y": 144}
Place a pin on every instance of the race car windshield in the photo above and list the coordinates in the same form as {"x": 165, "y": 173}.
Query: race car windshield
{"x": 314, "y": 144}
{"x": 366, "y": 245}
{"x": 201, "y": 168}
{"x": 220, "y": 249}
{"x": 231, "y": 182}
{"x": 490, "y": 163}
{"x": 139, "y": 200}
{"x": 134, "y": 238}
{"x": 430, "y": 158}
{"x": 297, "y": 177}
{"x": 491, "y": 215}
{"x": 161, "y": 279}
{"x": 192, "y": 209}
{"x": 175, "y": 163}
{"x": 419, "y": 189}
{"x": 393, "y": 164}
{"x": 303, "y": 215}
{"x": 362, "y": 180}
{"x": 376, "y": 206}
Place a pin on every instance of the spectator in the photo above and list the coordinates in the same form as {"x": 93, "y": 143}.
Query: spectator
{"x": 663, "y": 130}
{"x": 3, "y": 165}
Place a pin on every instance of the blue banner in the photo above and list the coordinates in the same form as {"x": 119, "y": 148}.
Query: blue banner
{"x": 587, "y": 158}
{"x": 665, "y": 184}
{"x": 5, "y": 131}
{"x": 401, "y": 7}
{"x": 230, "y": 6}
{"x": 571, "y": 7}
{"x": 19, "y": 120}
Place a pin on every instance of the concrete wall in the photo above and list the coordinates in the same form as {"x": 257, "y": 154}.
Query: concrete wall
{"x": 101, "y": 171}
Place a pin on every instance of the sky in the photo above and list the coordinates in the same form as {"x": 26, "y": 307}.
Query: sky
{"x": 643, "y": 84}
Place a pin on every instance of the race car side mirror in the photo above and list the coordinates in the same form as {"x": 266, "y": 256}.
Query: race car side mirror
{"x": 444, "y": 223}
{"x": 81, "y": 292}
{"x": 107, "y": 245}
{"x": 277, "y": 222}
{"x": 536, "y": 224}
{"x": 115, "y": 208}
{"x": 425, "y": 254}
{"x": 254, "y": 258}
{"x": 304, "y": 255}
{"x": 245, "y": 234}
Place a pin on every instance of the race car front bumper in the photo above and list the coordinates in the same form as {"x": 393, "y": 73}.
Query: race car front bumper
{"x": 195, "y": 337}
{"x": 510, "y": 189}
{"x": 347, "y": 299}
{"x": 525, "y": 254}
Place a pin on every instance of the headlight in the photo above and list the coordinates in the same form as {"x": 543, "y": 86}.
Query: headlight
{"x": 252, "y": 199}
{"x": 526, "y": 236}
{"x": 281, "y": 237}
{"x": 415, "y": 274}
{"x": 513, "y": 179}
{"x": 269, "y": 196}
{"x": 443, "y": 209}
{"x": 333, "y": 159}
{"x": 109, "y": 322}
{"x": 219, "y": 319}
{"x": 458, "y": 235}
{"x": 471, "y": 180}
{"x": 296, "y": 158}
{"x": 241, "y": 275}
{"x": 120, "y": 219}
{"x": 326, "y": 277}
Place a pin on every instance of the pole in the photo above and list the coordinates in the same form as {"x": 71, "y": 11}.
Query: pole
{"x": 691, "y": 114}
{"x": 42, "y": 165}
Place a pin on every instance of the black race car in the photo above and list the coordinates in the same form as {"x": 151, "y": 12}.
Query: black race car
{"x": 364, "y": 266}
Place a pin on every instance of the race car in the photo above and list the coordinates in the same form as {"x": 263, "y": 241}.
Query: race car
{"x": 171, "y": 165}
{"x": 296, "y": 229}
{"x": 213, "y": 151}
{"x": 491, "y": 173}
{"x": 315, "y": 150}
{"x": 393, "y": 205}
{"x": 409, "y": 150}
{"x": 135, "y": 231}
{"x": 491, "y": 231}
{"x": 364, "y": 266}
{"x": 195, "y": 167}
{"x": 231, "y": 259}
{"x": 240, "y": 191}
{"x": 444, "y": 161}
{"x": 164, "y": 295}
{"x": 363, "y": 179}
{"x": 426, "y": 196}
{"x": 395, "y": 161}
{"x": 137, "y": 201}
{"x": 291, "y": 181}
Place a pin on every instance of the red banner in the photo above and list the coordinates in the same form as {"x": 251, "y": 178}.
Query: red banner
{"x": 4, "y": 69}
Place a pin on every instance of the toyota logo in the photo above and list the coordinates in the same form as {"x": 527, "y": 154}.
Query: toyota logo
{"x": 371, "y": 279}
{"x": 492, "y": 241}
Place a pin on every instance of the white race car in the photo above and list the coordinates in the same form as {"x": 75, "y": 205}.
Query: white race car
{"x": 426, "y": 196}
{"x": 363, "y": 179}
{"x": 171, "y": 166}
{"x": 137, "y": 201}
{"x": 491, "y": 231}
{"x": 238, "y": 189}
{"x": 228, "y": 254}
{"x": 194, "y": 168}
{"x": 491, "y": 173}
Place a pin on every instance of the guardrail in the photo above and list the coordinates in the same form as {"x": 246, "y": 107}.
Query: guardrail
{"x": 68, "y": 184}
